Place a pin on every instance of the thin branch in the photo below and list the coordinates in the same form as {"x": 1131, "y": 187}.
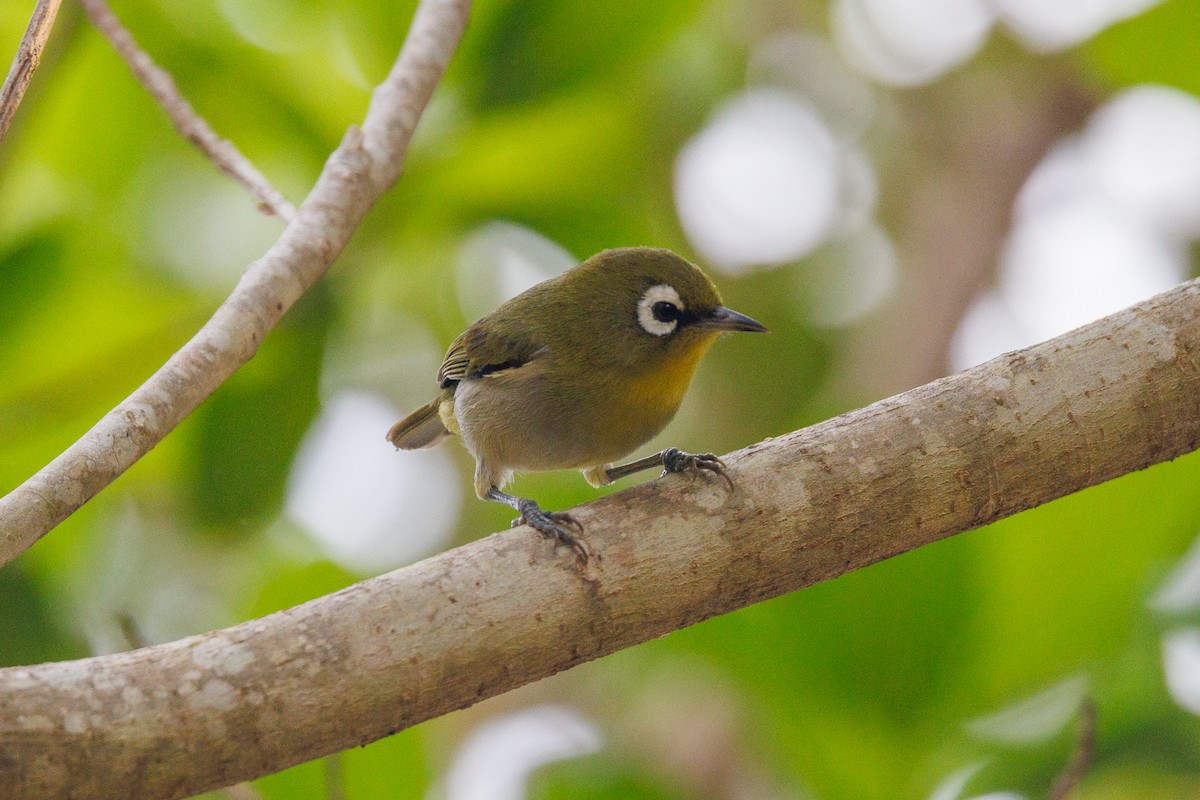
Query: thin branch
{"x": 223, "y": 153}
{"x": 335, "y": 777}
{"x": 366, "y": 163}
{"x": 1081, "y": 756}
{"x": 349, "y": 668}
{"x": 29, "y": 54}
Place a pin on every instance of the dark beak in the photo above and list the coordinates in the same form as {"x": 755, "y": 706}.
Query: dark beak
{"x": 726, "y": 319}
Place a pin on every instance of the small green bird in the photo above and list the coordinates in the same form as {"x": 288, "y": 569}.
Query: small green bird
{"x": 576, "y": 373}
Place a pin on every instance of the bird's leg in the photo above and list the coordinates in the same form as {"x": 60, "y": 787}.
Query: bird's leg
{"x": 555, "y": 524}
{"x": 672, "y": 460}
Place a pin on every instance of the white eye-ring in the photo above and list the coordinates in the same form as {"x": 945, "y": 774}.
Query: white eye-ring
{"x": 659, "y": 310}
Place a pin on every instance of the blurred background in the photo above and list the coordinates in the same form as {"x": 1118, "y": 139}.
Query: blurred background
{"x": 898, "y": 188}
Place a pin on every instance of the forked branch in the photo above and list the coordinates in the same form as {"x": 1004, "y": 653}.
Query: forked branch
{"x": 366, "y": 163}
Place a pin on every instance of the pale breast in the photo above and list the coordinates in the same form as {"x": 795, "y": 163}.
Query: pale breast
{"x": 537, "y": 422}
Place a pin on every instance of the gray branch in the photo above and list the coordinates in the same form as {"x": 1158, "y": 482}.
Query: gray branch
{"x": 29, "y": 55}
{"x": 193, "y": 127}
{"x": 349, "y": 668}
{"x": 366, "y": 163}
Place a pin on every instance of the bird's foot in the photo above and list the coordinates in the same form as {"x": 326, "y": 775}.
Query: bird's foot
{"x": 555, "y": 524}
{"x": 675, "y": 460}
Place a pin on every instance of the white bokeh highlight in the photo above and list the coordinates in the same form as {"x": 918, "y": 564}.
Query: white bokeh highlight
{"x": 760, "y": 184}
{"x": 199, "y": 226}
{"x": 848, "y": 263}
{"x": 280, "y": 26}
{"x": 1036, "y": 718}
{"x": 952, "y": 786}
{"x": 495, "y": 760}
{"x": 1079, "y": 262}
{"x": 851, "y": 277}
{"x": 1103, "y": 222}
{"x": 368, "y": 506}
{"x": 383, "y": 351}
{"x": 1043, "y": 25}
{"x": 1180, "y": 591}
{"x": 859, "y": 193}
{"x": 914, "y": 42}
{"x": 909, "y": 42}
{"x": 1181, "y": 667}
{"x": 499, "y": 260}
{"x": 1142, "y": 150}
{"x": 987, "y": 329}
{"x": 811, "y": 66}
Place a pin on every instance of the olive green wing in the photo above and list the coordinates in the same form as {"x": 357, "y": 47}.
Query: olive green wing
{"x": 483, "y": 350}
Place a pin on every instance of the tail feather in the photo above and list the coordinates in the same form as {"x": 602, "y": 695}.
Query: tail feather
{"x": 422, "y": 428}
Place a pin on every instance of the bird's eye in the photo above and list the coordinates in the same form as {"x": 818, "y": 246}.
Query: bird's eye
{"x": 659, "y": 310}
{"x": 664, "y": 311}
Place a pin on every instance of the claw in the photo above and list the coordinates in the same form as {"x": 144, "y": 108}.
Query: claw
{"x": 675, "y": 460}
{"x": 555, "y": 525}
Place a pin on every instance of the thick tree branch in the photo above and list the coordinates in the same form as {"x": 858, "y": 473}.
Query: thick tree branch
{"x": 29, "y": 54}
{"x": 366, "y": 163}
{"x": 171, "y": 720}
{"x": 193, "y": 127}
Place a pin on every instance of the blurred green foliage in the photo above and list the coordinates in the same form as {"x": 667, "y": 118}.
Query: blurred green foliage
{"x": 563, "y": 116}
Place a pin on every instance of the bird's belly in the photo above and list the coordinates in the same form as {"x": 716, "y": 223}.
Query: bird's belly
{"x": 540, "y": 424}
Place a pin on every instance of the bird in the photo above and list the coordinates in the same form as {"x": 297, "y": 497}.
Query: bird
{"x": 576, "y": 373}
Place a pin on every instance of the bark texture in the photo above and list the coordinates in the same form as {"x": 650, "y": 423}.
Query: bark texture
{"x": 343, "y": 670}
{"x": 29, "y": 55}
